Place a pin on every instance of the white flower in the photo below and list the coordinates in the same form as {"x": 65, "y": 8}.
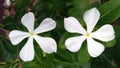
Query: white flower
{"x": 48, "y": 45}
{"x": 105, "y": 33}
{"x": 7, "y": 2}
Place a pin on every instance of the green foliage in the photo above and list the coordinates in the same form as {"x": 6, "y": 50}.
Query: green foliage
{"x": 77, "y": 13}
{"x": 110, "y": 11}
{"x": 110, "y": 43}
{"x": 117, "y": 30}
{"x": 116, "y": 50}
{"x": 1, "y": 52}
{"x": 29, "y": 65}
{"x": 83, "y": 55}
{"x": 82, "y": 4}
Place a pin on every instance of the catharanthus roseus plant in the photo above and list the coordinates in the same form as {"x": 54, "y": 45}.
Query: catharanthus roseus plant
{"x": 91, "y": 17}
{"x": 59, "y": 33}
{"x": 48, "y": 45}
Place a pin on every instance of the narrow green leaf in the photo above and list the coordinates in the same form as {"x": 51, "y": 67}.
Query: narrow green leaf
{"x": 117, "y": 31}
{"x": 30, "y": 65}
{"x": 65, "y": 64}
{"x": 81, "y": 4}
{"x": 9, "y": 47}
{"x": 38, "y": 53}
{"x": 116, "y": 54}
{"x": 36, "y": 65}
{"x": 87, "y": 65}
{"x": 77, "y": 13}
{"x": 83, "y": 55}
{"x": 108, "y": 7}
{"x": 65, "y": 55}
{"x": 9, "y": 22}
{"x": 1, "y": 51}
{"x": 110, "y": 11}
{"x": 9, "y": 57}
{"x": 110, "y": 43}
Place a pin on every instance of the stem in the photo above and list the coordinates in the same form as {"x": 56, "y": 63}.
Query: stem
{"x": 106, "y": 59}
{"x": 15, "y": 65}
{"x": 52, "y": 12}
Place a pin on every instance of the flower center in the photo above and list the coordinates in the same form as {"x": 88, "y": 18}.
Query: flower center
{"x": 32, "y": 33}
{"x": 87, "y": 34}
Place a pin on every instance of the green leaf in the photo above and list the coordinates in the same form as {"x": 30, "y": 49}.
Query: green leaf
{"x": 87, "y": 65}
{"x": 41, "y": 6}
{"x": 65, "y": 55}
{"x": 102, "y": 61}
{"x": 83, "y": 5}
{"x": 58, "y": 3}
{"x": 108, "y": 7}
{"x": 9, "y": 47}
{"x": 9, "y": 57}
{"x": 21, "y": 3}
{"x": 110, "y": 11}
{"x": 117, "y": 31}
{"x": 9, "y": 22}
{"x": 1, "y": 50}
{"x": 42, "y": 57}
{"x": 64, "y": 64}
{"x": 80, "y": 6}
{"x": 95, "y": 4}
{"x": 38, "y": 53}
{"x": 110, "y": 43}
{"x": 116, "y": 54}
{"x": 83, "y": 55}
{"x": 77, "y": 13}
{"x": 46, "y": 65}
{"x": 30, "y": 65}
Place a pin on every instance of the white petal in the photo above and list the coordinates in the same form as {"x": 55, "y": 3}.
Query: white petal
{"x": 105, "y": 33}
{"x": 48, "y": 45}
{"x": 74, "y": 43}
{"x": 17, "y": 36}
{"x": 91, "y": 18}
{"x": 72, "y": 25}
{"x": 27, "y": 52}
{"x": 28, "y": 21}
{"x": 7, "y": 2}
{"x": 46, "y": 25}
{"x": 94, "y": 48}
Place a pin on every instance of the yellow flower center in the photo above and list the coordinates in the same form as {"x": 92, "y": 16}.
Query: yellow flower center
{"x": 32, "y": 33}
{"x": 87, "y": 34}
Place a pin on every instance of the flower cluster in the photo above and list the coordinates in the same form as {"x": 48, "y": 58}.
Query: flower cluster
{"x": 72, "y": 25}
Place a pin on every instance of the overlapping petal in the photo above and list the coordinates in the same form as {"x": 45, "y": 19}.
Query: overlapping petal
{"x": 46, "y": 25}
{"x": 28, "y": 21}
{"x": 94, "y": 48}
{"x": 27, "y": 52}
{"x": 91, "y": 18}
{"x": 72, "y": 25}
{"x": 74, "y": 43}
{"x": 48, "y": 45}
{"x": 105, "y": 33}
{"x": 17, "y": 36}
